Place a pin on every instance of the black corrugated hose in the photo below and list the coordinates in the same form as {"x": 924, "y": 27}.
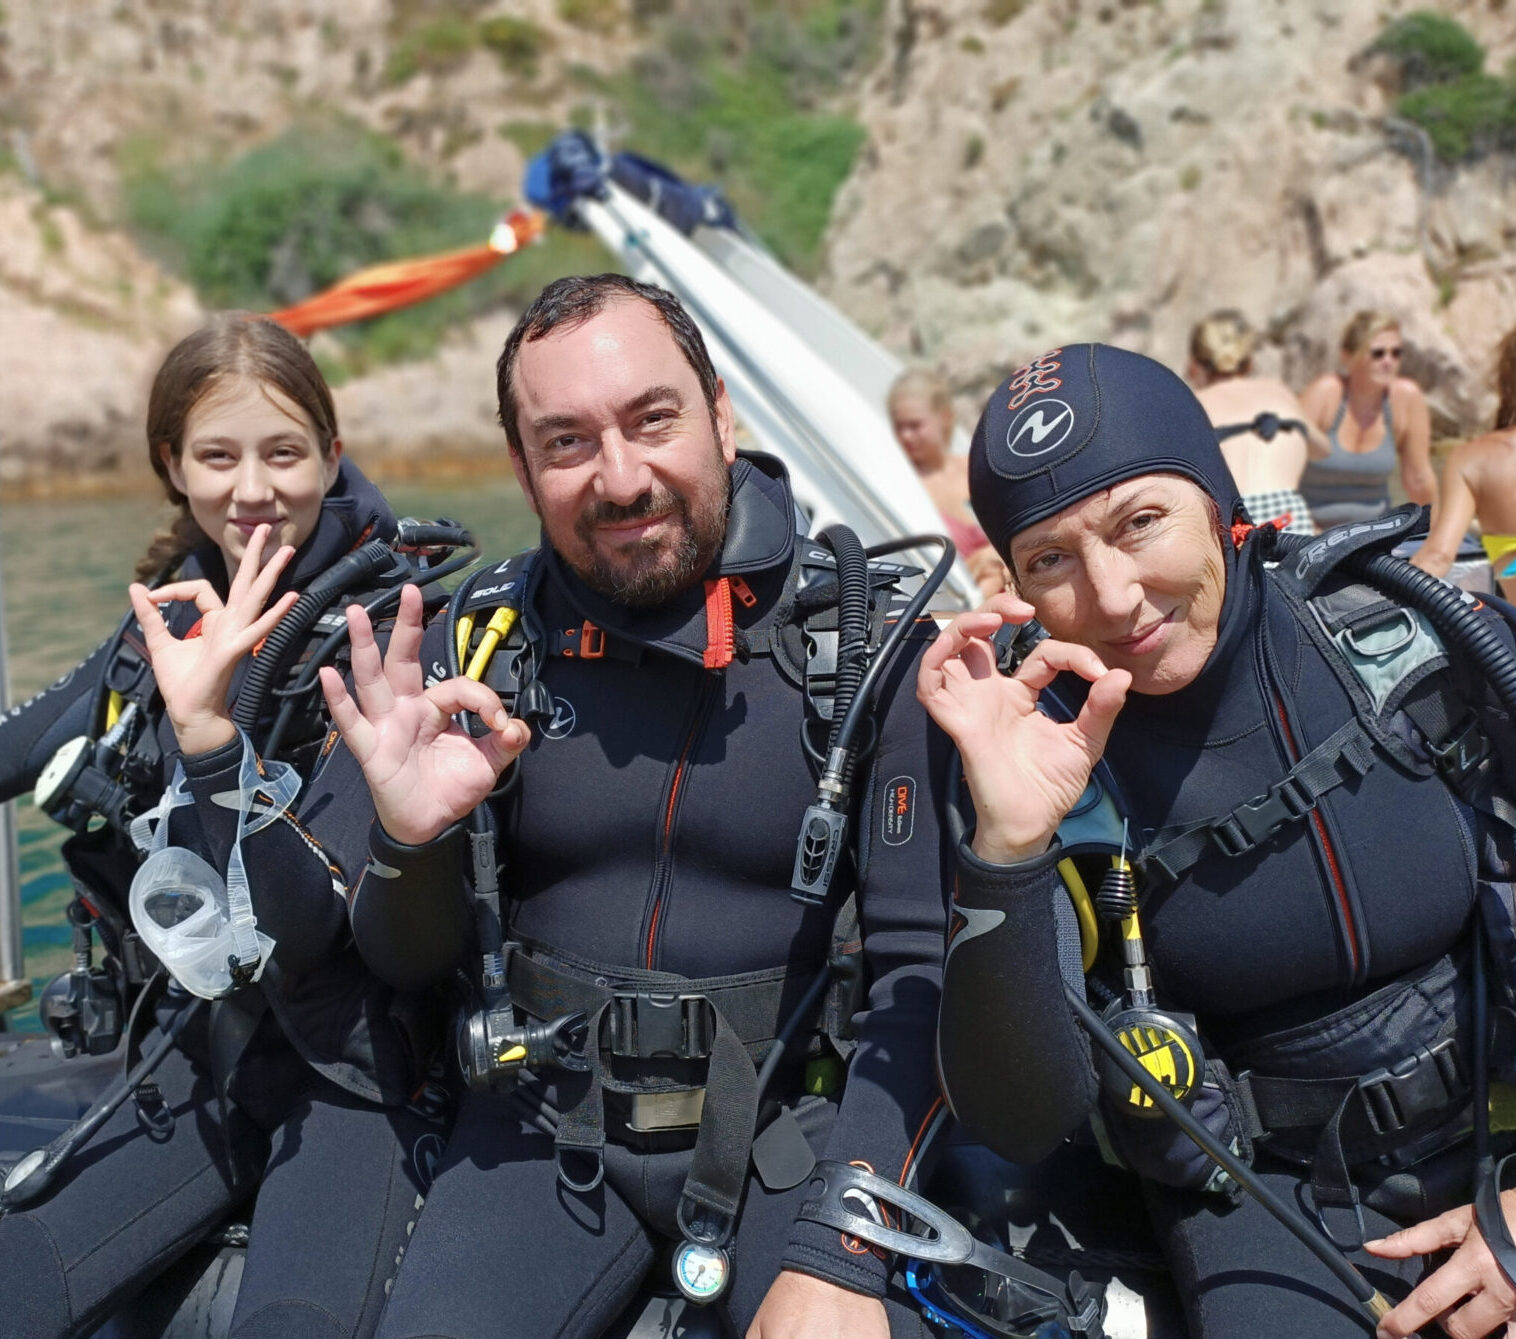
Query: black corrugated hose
{"x": 852, "y": 620}
{"x": 349, "y": 573}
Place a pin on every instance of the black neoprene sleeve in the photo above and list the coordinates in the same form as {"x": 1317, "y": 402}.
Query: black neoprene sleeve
{"x": 411, "y": 917}
{"x": 1015, "y": 1065}
{"x": 32, "y": 731}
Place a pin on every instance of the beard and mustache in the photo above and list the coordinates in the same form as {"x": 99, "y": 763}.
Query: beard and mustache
{"x": 654, "y": 568}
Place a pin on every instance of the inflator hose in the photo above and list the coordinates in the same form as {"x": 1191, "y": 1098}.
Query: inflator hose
{"x": 852, "y": 620}
{"x": 846, "y": 723}
{"x": 1445, "y": 606}
{"x": 351, "y": 571}
{"x": 377, "y": 605}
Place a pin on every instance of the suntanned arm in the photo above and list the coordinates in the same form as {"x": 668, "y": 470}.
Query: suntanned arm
{"x": 1319, "y": 400}
{"x": 1413, "y": 423}
{"x": 1450, "y": 517}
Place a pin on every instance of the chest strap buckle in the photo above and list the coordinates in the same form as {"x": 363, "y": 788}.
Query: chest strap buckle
{"x": 1462, "y": 755}
{"x": 1428, "y": 1081}
{"x": 1253, "y": 823}
{"x": 647, "y": 1024}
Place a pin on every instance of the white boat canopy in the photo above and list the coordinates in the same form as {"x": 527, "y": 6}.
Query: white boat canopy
{"x": 807, "y": 384}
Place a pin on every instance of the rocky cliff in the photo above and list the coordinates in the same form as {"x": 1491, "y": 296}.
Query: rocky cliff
{"x": 1115, "y": 169}
{"x": 1034, "y": 171}
{"x": 88, "y": 87}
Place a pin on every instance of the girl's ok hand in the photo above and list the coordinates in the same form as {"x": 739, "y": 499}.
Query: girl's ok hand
{"x": 194, "y": 674}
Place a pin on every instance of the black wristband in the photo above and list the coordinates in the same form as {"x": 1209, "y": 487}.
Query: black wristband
{"x": 1491, "y": 1219}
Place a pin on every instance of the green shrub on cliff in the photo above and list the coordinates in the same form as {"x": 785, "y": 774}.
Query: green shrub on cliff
{"x": 1465, "y": 112}
{"x": 749, "y": 98}
{"x": 518, "y": 43}
{"x": 1430, "y": 49}
{"x": 435, "y": 47}
{"x": 309, "y": 208}
{"x": 1468, "y": 117}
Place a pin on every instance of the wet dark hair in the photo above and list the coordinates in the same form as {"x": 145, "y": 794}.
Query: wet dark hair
{"x": 1505, "y": 381}
{"x": 577, "y": 299}
{"x": 232, "y": 344}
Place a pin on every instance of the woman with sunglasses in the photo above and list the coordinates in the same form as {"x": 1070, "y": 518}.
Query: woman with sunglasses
{"x": 1371, "y": 415}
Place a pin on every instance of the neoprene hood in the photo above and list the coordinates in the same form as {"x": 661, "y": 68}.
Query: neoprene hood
{"x": 1079, "y": 419}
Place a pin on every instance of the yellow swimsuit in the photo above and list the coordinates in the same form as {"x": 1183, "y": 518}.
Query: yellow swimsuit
{"x": 1499, "y": 547}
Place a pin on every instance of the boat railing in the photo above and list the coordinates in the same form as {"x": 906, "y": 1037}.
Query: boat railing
{"x": 15, "y": 987}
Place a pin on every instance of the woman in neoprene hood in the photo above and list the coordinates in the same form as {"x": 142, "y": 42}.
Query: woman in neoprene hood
{"x": 1306, "y": 877}
{"x": 298, "y": 1081}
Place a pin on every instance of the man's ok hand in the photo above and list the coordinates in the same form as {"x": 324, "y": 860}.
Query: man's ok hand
{"x": 424, "y": 772}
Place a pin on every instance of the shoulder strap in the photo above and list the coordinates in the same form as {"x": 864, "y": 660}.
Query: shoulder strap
{"x": 1342, "y": 409}
{"x": 1388, "y": 659}
{"x": 489, "y": 622}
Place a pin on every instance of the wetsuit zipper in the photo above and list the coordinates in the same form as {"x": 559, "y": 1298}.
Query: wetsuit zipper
{"x": 1342, "y": 909}
{"x": 663, "y": 868}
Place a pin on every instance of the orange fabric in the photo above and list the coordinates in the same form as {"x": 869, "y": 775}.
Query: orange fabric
{"x": 1242, "y": 529}
{"x": 401, "y": 283}
{"x": 720, "y": 644}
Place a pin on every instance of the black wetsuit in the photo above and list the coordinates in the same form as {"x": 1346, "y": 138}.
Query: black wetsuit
{"x": 317, "y": 1101}
{"x": 1337, "y": 946}
{"x": 653, "y": 827}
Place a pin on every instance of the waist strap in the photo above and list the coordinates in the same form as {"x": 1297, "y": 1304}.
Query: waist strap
{"x": 1361, "y": 1118}
{"x": 652, "y": 1015}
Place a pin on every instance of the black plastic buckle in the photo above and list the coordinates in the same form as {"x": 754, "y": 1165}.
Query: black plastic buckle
{"x": 1462, "y": 755}
{"x": 1426, "y": 1082}
{"x": 1253, "y": 823}
{"x": 647, "y": 1024}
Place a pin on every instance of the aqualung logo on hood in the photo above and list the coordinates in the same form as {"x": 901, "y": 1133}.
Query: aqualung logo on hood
{"x": 1040, "y": 429}
{"x": 1038, "y": 377}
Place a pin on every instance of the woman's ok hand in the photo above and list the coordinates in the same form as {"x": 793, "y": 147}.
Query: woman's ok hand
{"x": 194, "y": 674}
{"x": 1024, "y": 770}
{"x": 424, "y": 772}
{"x": 1468, "y": 1294}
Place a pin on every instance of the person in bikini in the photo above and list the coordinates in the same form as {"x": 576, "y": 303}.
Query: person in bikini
{"x": 1479, "y": 482}
{"x": 1261, "y": 427}
{"x": 1372, "y": 416}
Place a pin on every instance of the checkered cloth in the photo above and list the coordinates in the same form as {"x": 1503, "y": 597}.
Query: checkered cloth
{"x": 1276, "y": 502}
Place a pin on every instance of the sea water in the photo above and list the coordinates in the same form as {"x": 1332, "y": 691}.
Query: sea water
{"x": 66, "y": 566}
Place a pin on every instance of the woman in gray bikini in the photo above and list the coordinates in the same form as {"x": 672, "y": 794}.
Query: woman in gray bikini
{"x": 1372, "y": 415}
